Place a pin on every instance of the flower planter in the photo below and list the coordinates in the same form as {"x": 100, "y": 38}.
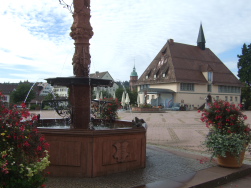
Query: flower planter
{"x": 227, "y": 132}
{"x": 231, "y": 161}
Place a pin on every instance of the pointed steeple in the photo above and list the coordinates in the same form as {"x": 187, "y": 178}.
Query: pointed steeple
{"x": 201, "y": 42}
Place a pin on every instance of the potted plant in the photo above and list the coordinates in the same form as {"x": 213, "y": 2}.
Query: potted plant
{"x": 228, "y": 136}
{"x": 23, "y": 150}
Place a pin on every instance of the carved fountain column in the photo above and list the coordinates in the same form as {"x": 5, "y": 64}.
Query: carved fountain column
{"x": 80, "y": 95}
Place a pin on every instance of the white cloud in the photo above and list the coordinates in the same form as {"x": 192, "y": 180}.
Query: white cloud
{"x": 35, "y": 33}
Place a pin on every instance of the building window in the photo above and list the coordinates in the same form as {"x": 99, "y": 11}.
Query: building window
{"x": 231, "y": 98}
{"x": 165, "y": 72}
{"x": 210, "y": 76}
{"x": 148, "y": 74}
{"x": 156, "y": 74}
{"x": 152, "y": 96}
{"x": 186, "y": 87}
{"x": 209, "y": 88}
{"x": 229, "y": 89}
{"x": 4, "y": 98}
{"x": 226, "y": 98}
{"x": 217, "y": 98}
{"x": 236, "y": 99}
{"x": 147, "y": 97}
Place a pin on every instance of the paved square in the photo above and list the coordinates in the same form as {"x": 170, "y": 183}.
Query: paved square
{"x": 177, "y": 129}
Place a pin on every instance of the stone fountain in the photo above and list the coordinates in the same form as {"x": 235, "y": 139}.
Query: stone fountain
{"x": 79, "y": 151}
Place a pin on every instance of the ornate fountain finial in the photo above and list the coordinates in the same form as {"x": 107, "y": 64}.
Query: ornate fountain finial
{"x": 81, "y": 32}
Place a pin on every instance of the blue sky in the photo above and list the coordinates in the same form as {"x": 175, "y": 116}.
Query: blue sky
{"x": 35, "y": 42}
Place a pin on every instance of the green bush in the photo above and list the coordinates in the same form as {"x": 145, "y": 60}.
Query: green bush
{"x": 145, "y": 106}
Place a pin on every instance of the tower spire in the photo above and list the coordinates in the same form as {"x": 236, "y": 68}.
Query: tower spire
{"x": 201, "y": 41}
{"x": 133, "y": 79}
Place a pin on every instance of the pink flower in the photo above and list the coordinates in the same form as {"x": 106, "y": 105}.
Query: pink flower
{"x": 23, "y": 105}
{"x": 27, "y": 144}
{"x": 39, "y": 148}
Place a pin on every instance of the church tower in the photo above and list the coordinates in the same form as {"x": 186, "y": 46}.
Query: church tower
{"x": 133, "y": 80}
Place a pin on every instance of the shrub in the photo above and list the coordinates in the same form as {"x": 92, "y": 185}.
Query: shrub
{"x": 109, "y": 109}
{"x": 23, "y": 150}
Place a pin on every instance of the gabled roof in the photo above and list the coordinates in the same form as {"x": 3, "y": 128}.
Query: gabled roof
{"x": 6, "y": 89}
{"x": 185, "y": 63}
{"x": 98, "y": 74}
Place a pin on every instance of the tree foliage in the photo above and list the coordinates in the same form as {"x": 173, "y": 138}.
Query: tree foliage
{"x": 244, "y": 65}
{"x": 132, "y": 95}
{"x": 19, "y": 95}
{"x": 244, "y": 73}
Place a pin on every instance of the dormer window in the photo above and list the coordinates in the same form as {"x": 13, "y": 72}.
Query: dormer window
{"x": 156, "y": 73}
{"x": 165, "y": 72}
{"x": 148, "y": 74}
{"x": 210, "y": 76}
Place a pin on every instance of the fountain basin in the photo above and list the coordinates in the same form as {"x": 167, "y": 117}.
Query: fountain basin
{"x": 92, "y": 153}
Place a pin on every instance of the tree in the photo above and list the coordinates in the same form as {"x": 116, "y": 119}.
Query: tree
{"x": 124, "y": 84}
{"x": 118, "y": 93}
{"x": 20, "y": 94}
{"x": 133, "y": 97}
{"x": 244, "y": 73}
{"x": 244, "y": 65}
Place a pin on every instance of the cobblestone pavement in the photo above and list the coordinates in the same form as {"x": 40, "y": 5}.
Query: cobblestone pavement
{"x": 180, "y": 131}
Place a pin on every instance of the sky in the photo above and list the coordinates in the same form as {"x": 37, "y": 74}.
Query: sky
{"x": 35, "y": 42}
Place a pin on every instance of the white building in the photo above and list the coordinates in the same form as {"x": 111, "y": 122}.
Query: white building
{"x": 46, "y": 89}
{"x": 61, "y": 91}
{"x": 107, "y": 76}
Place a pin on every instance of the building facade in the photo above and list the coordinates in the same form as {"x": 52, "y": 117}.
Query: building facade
{"x": 186, "y": 74}
{"x": 7, "y": 89}
{"x": 107, "y": 76}
{"x": 45, "y": 88}
{"x": 61, "y": 91}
